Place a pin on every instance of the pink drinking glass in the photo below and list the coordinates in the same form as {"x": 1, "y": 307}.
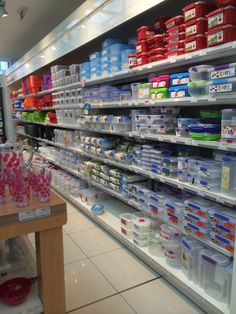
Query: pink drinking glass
{"x": 2, "y": 187}
{"x": 45, "y": 185}
{"x": 21, "y": 191}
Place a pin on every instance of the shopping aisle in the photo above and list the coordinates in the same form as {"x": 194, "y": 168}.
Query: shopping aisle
{"x": 102, "y": 277}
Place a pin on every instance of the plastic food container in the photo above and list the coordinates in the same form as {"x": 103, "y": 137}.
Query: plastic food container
{"x": 140, "y": 243}
{"x": 145, "y": 32}
{"x": 132, "y": 59}
{"x": 141, "y": 46}
{"x": 178, "y": 91}
{"x": 176, "y": 29}
{"x": 172, "y": 251}
{"x": 160, "y": 81}
{"x": 195, "y": 42}
{"x": 224, "y": 232}
{"x": 179, "y": 79}
{"x": 224, "y": 217}
{"x": 190, "y": 251}
{"x": 221, "y": 16}
{"x": 169, "y": 172}
{"x": 209, "y": 184}
{"x": 200, "y": 206}
{"x": 221, "y": 35}
{"x": 220, "y": 86}
{"x": 176, "y": 37}
{"x": 222, "y": 71}
{"x": 182, "y": 175}
{"x": 127, "y": 220}
{"x": 205, "y": 132}
{"x": 200, "y": 72}
{"x": 197, "y": 9}
{"x": 222, "y": 242}
{"x": 228, "y": 179}
{"x": 141, "y": 224}
{"x": 175, "y": 53}
{"x": 182, "y": 163}
{"x": 212, "y": 273}
{"x": 197, "y": 88}
{"x": 156, "y": 58}
{"x": 224, "y": 3}
{"x": 159, "y": 93}
{"x": 196, "y": 231}
{"x": 140, "y": 236}
{"x": 157, "y": 52}
{"x": 173, "y": 46}
{"x": 142, "y": 58}
{"x": 174, "y": 21}
{"x": 127, "y": 233}
{"x": 196, "y": 220}
{"x": 196, "y": 27}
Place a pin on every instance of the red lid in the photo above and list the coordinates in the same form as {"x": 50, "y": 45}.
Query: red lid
{"x": 157, "y": 51}
{"x": 221, "y": 3}
{"x": 193, "y": 37}
{"x": 174, "y": 18}
{"x": 177, "y": 27}
{"x": 138, "y": 55}
{"x": 219, "y": 28}
{"x": 192, "y": 22}
{"x": 176, "y": 35}
{"x": 140, "y": 42}
{"x": 192, "y": 5}
{"x": 148, "y": 28}
{"x": 132, "y": 55}
{"x": 177, "y": 52}
{"x": 217, "y": 11}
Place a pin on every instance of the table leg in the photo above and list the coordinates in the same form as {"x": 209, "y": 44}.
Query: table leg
{"x": 50, "y": 265}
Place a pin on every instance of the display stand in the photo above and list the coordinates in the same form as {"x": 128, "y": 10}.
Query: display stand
{"x": 46, "y": 221}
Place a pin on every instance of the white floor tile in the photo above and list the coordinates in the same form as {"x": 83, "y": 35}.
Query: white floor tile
{"x": 78, "y": 222}
{"x": 123, "y": 269}
{"x": 84, "y": 285}
{"x": 159, "y": 294}
{"x": 112, "y": 305}
{"x": 94, "y": 241}
{"x": 71, "y": 209}
{"x": 72, "y": 253}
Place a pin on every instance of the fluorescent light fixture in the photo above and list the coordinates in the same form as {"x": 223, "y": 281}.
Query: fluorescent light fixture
{"x": 83, "y": 26}
{"x": 27, "y": 65}
{"x": 42, "y": 56}
{"x": 54, "y": 48}
{"x": 3, "y": 12}
{"x": 73, "y": 23}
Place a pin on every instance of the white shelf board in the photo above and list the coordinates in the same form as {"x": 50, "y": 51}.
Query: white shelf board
{"x": 215, "y": 196}
{"x": 110, "y": 222}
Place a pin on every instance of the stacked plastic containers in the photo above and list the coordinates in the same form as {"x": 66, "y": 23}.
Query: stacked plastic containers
{"x": 116, "y": 53}
{"x": 142, "y": 45}
{"x": 228, "y": 125}
{"x": 106, "y": 55}
{"x": 195, "y": 25}
{"x": 221, "y": 25}
{"x": 85, "y": 73}
{"x": 95, "y": 65}
{"x": 199, "y": 76}
{"x": 228, "y": 178}
{"x": 179, "y": 85}
{"x": 176, "y": 36}
{"x": 160, "y": 87}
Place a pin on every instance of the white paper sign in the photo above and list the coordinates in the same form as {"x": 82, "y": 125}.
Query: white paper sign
{"x": 27, "y": 215}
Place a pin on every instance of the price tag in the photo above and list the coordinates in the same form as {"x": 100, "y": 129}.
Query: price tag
{"x": 201, "y": 193}
{"x": 172, "y": 59}
{"x": 193, "y": 99}
{"x": 188, "y": 56}
{"x": 42, "y": 212}
{"x": 223, "y": 146}
{"x": 27, "y": 215}
{"x": 202, "y": 52}
{"x": 173, "y": 140}
{"x": 162, "y": 180}
{"x": 194, "y": 143}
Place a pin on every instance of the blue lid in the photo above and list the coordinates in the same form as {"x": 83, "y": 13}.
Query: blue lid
{"x": 178, "y": 88}
{"x": 97, "y": 208}
{"x": 179, "y": 75}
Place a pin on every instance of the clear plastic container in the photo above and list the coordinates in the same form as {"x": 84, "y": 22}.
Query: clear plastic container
{"x": 225, "y": 217}
{"x": 190, "y": 250}
{"x": 196, "y": 231}
{"x": 172, "y": 251}
{"x": 228, "y": 125}
{"x": 182, "y": 175}
{"x": 222, "y": 241}
{"x": 220, "y": 86}
{"x": 222, "y": 71}
{"x": 228, "y": 179}
{"x": 170, "y": 162}
{"x": 169, "y": 172}
{"x": 127, "y": 233}
{"x": 197, "y": 88}
{"x": 127, "y": 220}
{"x": 212, "y": 274}
{"x": 141, "y": 236}
{"x": 224, "y": 232}
{"x": 200, "y": 72}
{"x": 207, "y": 184}
{"x": 182, "y": 163}
{"x": 156, "y": 247}
{"x": 140, "y": 243}
{"x": 141, "y": 224}
{"x": 196, "y": 220}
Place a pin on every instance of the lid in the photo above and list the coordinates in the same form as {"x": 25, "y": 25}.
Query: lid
{"x": 200, "y": 204}
{"x": 193, "y": 37}
{"x": 192, "y": 5}
{"x": 149, "y": 28}
{"x": 192, "y": 22}
{"x": 176, "y": 35}
{"x": 229, "y": 158}
{"x": 213, "y": 257}
{"x": 217, "y": 11}
{"x": 142, "y": 222}
{"x": 174, "y": 18}
{"x": 191, "y": 244}
{"x": 179, "y": 75}
{"x": 167, "y": 229}
{"x": 175, "y": 43}
{"x": 177, "y": 27}
{"x": 219, "y": 28}
{"x": 175, "y": 52}
{"x": 200, "y": 68}
{"x": 161, "y": 78}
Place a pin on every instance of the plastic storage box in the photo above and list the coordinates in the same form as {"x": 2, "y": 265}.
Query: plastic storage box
{"x": 212, "y": 274}
{"x": 176, "y": 29}
{"x": 222, "y": 71}
{"x": 224, "y": 217}
{"x": 195, "y": 42}
{"x": 178, "y": 91}
{"x": 190, "y": 250}
{"x": 196, "y": 231}
{"x": 196, "y": 27}
{"x": 160, "y": 81}
{"x": 145, "y": 32}
{"x": 179, "y": 79}
{"x": 228, "y": 179}
{"x": 174, "y": 21}
{"x": 220, "y": 86}
{"x": 221, "y": 16}
{"x": 200, "y": 72}
{"x": 197, "y": 9}
{"x": 200, "y": 206}
{"x": 221, "y": 35}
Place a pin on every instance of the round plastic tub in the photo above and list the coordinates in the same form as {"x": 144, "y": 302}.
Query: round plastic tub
{"x": 199, "y": 72}
{"x": 196, "y": 27}
{"x": 142, "y": 58}
{"x": 195, "y": 42}
{"x": 176, "y": 30}
{"x": 175, "y": 53}
{"x": 174, "y": 21}
{"x": 176, "y": 37}
{"x": 145, "y": 32}
{"x": 141, "y": 46}
{"x": 221, "y": 35}
{"x": 197, "y": 88}
{"x": 197, "y": 9}
{"x": 173, "y": 46}
{"x": 221, "y": 16}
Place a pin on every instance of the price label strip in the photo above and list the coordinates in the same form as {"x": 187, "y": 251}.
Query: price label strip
{"x": 34, "y": 214}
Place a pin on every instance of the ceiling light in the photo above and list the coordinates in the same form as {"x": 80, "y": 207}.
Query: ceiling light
{"x": 27, "y": 65}
{"x": 54, "y": 48}
{"x": 3, "y": 12}
{"x": 42, "y": 56}
{"x": 83, "y": 26}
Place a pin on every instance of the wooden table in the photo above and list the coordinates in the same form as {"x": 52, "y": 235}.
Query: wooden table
{"x": 46, "y": 221}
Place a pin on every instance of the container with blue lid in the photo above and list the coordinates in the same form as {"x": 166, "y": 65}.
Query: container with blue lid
{"x": 115, "y": 67}
{"x": 222, "y": 241}
{"x": 117, "y": 48}
{"x": 222, "y": 71}
{"x": 95, "y": 55}
{"x": 115, "y": 57}
{"x": 179, "y": 79}
{"x": 178, "y": 91}
{"x": 105, "y": 58}
{"x": 110, "y": 41}
{"x": 225, "y": 217}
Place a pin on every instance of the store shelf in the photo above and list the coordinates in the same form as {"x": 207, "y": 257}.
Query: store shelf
{"x": 111, "y": 223}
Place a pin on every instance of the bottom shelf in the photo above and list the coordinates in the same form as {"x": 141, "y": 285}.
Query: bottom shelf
{"x": 110, "y": 221}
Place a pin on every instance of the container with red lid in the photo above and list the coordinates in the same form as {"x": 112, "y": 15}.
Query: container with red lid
{"x": 197, "y": 9}
{"x": 176, "y": 37}
{"x": 174, "y": 21}
{"x": 195, "y": 42}
{"x": 155, "y": 58}
{"x": 157, "y": 51}
{"x": 142, "y": 58}
{"x": 222, "y": 16}
{"x": 157, "y": 39}
{"x": 141, "y": 46}
{"x": 176, "y": 45}
{"x": 175, "y": 53}
{"x": 132, "y": 60}
{"x": 176, "y": 29}
{"x": 145, "y": 32}
{"x": 224, "y": 3}
{"x": 196, "y": 27}
{"x": 159, "y": 23}
{"x": 221, "y": 35}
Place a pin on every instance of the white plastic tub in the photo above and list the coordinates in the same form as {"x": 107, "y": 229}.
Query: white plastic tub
{"x": 141, "y": 224}
{"x": 127, "y": 220}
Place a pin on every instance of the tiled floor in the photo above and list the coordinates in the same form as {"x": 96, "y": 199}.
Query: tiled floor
{"x": 102, "y": 277}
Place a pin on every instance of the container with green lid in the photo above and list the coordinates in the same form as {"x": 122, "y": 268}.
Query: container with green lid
{"x": 159, "y": 93}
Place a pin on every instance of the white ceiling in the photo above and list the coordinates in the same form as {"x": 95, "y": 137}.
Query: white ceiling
{"x": 42, "y": 16}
